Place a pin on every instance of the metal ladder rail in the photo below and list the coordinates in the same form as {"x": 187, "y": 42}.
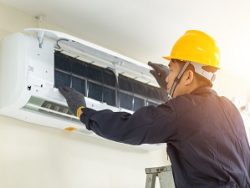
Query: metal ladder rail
{"x": 164, "y": 174}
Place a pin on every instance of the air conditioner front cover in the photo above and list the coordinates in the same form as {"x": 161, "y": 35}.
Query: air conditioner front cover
{"x": 27, "y": 76}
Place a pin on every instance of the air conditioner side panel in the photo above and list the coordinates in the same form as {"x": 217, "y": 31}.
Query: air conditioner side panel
{"x": 41, "y": 67}
{"x": 25, "y": 70}
{"x": 13, "y": 70}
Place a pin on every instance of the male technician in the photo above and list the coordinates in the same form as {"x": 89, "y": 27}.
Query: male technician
{"x": 205, "y": 134}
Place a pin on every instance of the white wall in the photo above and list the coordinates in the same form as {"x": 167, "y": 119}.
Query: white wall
{"x": 34, "y": 156}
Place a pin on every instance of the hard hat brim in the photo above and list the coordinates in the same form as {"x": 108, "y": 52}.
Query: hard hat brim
{"x": 167, "y": 57}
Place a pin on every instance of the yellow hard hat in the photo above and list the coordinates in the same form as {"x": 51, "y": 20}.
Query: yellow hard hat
{"x": 198, "y": 47}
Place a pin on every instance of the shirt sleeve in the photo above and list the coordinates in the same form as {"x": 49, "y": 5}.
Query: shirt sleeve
{"x": 147, "y": 125}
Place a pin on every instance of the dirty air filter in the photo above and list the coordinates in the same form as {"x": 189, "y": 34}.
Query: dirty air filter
{"x": 102, "y": 85}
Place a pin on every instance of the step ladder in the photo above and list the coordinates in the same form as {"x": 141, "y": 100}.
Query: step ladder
{"x": 164, "y": 174}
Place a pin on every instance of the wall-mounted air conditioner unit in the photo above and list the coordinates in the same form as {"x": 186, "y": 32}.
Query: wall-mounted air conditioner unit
{"x": 33, "y": 64}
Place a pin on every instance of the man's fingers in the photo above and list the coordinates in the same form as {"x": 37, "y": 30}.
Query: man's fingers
{"x": 154, "y": 73}
{"x": 64, "y": 91}
{"x": 61, "y": 89}
{"x": 155, "y": 66}
{"x": 149, "y": 63}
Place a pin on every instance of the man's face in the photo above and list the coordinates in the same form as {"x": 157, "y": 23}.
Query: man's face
{"x": 174, "y": 69}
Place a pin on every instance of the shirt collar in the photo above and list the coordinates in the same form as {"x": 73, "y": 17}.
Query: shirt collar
{"x": 204, "y": 90}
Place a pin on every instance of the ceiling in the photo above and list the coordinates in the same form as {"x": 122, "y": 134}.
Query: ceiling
{"x": 146, "y": 29}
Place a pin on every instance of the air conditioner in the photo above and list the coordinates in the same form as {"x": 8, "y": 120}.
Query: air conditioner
{"x": 34, "y": 63}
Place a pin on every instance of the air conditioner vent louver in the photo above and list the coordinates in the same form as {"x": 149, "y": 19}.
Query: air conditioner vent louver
{"x": 56, "y": 107}
{"x": 50, "y": 108}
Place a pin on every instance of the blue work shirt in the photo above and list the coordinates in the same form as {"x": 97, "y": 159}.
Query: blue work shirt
{"x": 205, "y": 136}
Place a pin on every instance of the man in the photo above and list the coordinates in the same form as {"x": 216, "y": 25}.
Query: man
{"x": 205, "y": 134}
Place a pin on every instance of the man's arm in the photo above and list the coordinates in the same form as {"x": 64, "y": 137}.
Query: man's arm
{"x": 148, "y": 125}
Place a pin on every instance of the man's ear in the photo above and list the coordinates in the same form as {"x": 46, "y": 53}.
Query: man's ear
{"x": 189, "y": 77}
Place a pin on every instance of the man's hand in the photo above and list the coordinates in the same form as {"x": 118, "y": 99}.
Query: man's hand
{"x": 74, "y": 99}
{"x": 160, "y": 72}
